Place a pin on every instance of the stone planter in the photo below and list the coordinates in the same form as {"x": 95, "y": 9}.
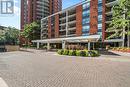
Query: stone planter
{"x": 10, "y": 48}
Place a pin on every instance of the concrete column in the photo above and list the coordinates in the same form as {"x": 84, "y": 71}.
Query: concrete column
{"x": 48, "y": 46}
{"x": 63, "y": 44}
{"x": 89, "y": 46}
{"x": 38, "y": 44}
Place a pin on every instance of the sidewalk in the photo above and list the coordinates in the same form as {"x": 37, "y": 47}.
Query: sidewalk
{"x": 3, "y": 83}
{"x": 121, "y": 53}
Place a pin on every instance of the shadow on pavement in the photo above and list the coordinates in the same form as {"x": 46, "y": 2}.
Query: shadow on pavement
{"x": 26, "y": 51}
{"x": 106, "y": 52}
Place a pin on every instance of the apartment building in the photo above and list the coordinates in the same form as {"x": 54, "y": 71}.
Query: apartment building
{"x": 85, "y": 22}
{"x": 35, "y": 10}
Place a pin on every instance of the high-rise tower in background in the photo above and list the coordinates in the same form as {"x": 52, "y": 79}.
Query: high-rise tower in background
{"x": 35, "y": 10}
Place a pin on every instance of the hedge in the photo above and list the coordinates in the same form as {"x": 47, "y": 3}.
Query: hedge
{"x": 83, "y": 53}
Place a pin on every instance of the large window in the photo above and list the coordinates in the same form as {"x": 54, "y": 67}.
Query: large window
{"x": 100, "y": 8}
{"x": 86, "y": 18}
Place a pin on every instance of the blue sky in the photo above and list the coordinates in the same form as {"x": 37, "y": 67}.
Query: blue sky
{"x": 14, "y": 20}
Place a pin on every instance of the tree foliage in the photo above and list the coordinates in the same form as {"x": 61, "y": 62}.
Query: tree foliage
{"x": 10, "y": 35}
{"x": 120, "y": 19}
{"x": 31, "y": 31}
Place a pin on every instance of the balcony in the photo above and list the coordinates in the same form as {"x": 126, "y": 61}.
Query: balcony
{"x": 71, "y": 35}
{"x": 109, "y": 13}
{"x": 72, "y": 28}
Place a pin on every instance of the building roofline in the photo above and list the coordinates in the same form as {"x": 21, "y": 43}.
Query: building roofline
{"x": 71, "y": 7}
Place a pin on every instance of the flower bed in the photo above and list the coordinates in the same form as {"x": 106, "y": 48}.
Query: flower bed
{"x": 121, "y": 49}
{"x": 83, "y": 53}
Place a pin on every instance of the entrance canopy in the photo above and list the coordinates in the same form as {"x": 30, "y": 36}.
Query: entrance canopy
{"x": 90, "y": 38}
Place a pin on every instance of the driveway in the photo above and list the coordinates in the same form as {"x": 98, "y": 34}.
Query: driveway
{"x": 47, "y": 69}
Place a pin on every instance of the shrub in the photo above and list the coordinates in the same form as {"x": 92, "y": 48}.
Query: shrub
{"x": 60, "y": 52}
{"x": 87, "y": 53}
{"x": 65, "y": 52}
{"x": 83, "y": 53}
{"x": 77, "y": 52}
{"x": 94, "y": 53}
{"x": 72, "y": 53}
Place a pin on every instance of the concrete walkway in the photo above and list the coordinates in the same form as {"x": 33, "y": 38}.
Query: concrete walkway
{"x": 47, "y": 69}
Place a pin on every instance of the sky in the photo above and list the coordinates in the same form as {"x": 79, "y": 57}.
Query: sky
{"x": 14, "y": 20}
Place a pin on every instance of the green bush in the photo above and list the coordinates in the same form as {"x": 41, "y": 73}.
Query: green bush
{"x": 83, "y": 53}
{"x": 87, "y": 53}
{"x": 60, "y": 52}
{"x": 93, "y": 53}
{"x": 96, "y": 53}
{"x": 65, "y": 52}
{"x": 72, "y": 53}
{"x": 77, "y": 52}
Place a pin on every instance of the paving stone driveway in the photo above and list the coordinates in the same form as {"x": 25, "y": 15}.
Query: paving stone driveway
{"x": 41, "y": 69}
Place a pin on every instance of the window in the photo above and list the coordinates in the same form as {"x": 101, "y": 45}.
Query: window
{"x": 86, "y": 20}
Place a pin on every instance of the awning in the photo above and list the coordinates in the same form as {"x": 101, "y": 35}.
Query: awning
{"x": 90, "y": 38}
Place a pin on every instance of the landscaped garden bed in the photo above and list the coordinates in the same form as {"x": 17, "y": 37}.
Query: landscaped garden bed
{"x": 82, "y": 53}
{"x": 121, "y": 49}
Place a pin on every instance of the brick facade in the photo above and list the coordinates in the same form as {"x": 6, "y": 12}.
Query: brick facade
{"x": 49, "y": 28}
{"x": 57, "y": 26}
{"x": 22, "y": 14}
{"x": 31, "y": 10}
{"x": 93, "y": 16}
{"x": 79, "y": 20}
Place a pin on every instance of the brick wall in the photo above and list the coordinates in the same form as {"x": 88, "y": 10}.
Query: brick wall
{"x": 49, "y": 28}
{"x": 56, "y": 26}
{"x": 22, "y": 14}
{"x": 79, "y": 20}
{"x": 93, "y": 16}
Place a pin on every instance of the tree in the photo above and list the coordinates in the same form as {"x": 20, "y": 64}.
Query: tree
{"x": 120, "y": 20}
{"x": 31, "y": 32}
{"x": 2, "y": 36}
{"x": 10, "y": 35}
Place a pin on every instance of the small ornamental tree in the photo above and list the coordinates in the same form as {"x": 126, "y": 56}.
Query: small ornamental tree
{"x": 31, "y": 32}
{"x": 120, "y": 20}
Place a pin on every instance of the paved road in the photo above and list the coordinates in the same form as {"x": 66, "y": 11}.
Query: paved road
{"x": 40, "y": 69}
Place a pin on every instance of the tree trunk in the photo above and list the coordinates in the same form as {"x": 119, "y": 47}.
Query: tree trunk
{"x": 128, "y": 36}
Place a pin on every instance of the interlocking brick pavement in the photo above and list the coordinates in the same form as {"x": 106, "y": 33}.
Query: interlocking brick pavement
{"x": 41, "y": 69}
